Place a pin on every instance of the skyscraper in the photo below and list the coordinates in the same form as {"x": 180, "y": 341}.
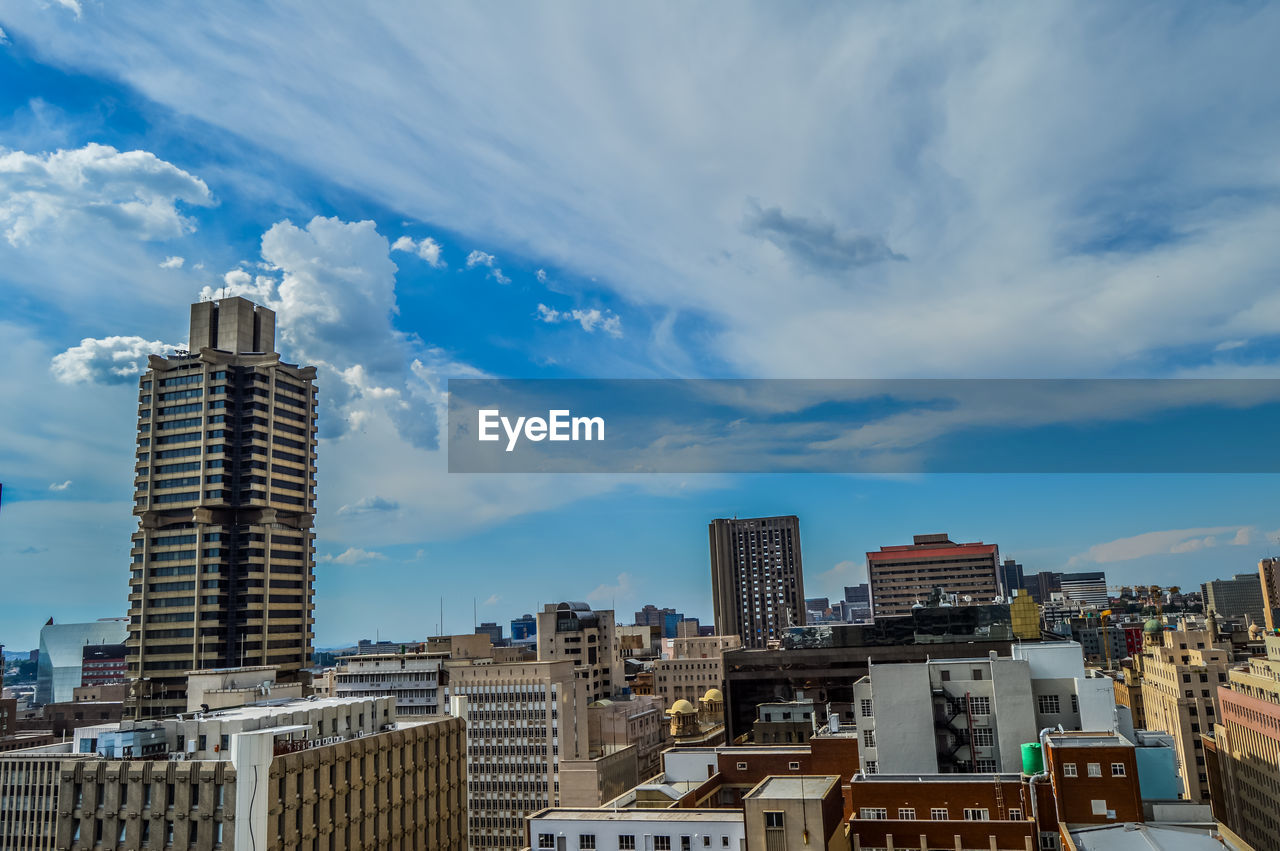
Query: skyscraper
{"x": 1089, "y": 588}
{"x": 1010, "y": 578}
{"x": 223, "y": 557}
{"x": 757, "y": 581}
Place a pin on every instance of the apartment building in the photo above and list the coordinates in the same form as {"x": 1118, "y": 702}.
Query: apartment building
{"x": 973, "y": 715}
{"x": 905, "y": 575}
{"x": 522, "y": 721}
{"x": 415, "y": 679}
{"x": 329, "y": 773}
{"x": 1181, "y": 671}
{"x": 695, "y": 665}
{"x": 224, "y": 495}
{"x": 575, "y": 632}
{"x": 757, "y": 577}
{"x": 590, "y": 828}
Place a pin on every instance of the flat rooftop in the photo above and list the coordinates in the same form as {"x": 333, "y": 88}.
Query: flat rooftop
{"x": 796, "y": 788}
{"x": 267, "y": 709}
{"x": 1144, "y": 837}
{"x": 655, "y": 815}
{"x": 1084, "y": 740}
{"x": 936, "y": 778}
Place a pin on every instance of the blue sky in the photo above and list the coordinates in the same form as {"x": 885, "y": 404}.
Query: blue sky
{"x": 897, "y": 190}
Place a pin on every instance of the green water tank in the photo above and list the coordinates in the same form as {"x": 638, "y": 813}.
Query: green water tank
{"x": 1032, "y": 759}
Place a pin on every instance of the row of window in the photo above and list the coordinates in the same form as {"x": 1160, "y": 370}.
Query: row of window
{"x": 627, "y": 841}
{"x": 936, "y": 813}
{"x": 1094, "y": 769}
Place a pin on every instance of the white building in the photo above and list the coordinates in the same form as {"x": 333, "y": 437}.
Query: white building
{"x": 642, "y": 830}
{"x": 973, "y": 715}
{"x": 413, "y": 679}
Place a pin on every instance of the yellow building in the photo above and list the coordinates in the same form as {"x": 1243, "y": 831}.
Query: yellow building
{"x": 1025, "y": 615}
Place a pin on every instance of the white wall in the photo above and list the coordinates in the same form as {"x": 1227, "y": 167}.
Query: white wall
{"x": 606, "y": 830}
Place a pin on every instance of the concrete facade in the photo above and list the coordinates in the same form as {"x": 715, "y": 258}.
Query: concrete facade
{"x": 415, "y": 680}
{"x": 1235, "y": 598}
{"x": 902, "y": 576}
{"x": 757, "y": 577}
{"x": 695, "y": 665}
{"x": 587, "y": 638}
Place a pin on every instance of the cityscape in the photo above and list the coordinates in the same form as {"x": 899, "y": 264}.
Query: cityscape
{"x": 664, "y": 427}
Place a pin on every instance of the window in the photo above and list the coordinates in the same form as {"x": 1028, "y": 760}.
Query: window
{"x": 980, "y": 705}
{"x": 977, "y": 673}
{"x": 984, "y": 737}
{"x": 546, "y": 840}
{"x": 662, "y": 843}
{"x": 794, "y": 766}
{"x": 706, "y": 841}
{"x": 939, "y": 813}
{"x": 987, "y": 766}
{"x": 1117, "y": 769}
{"x": 1075, "y": 704}
{"x": 869, "y": 738}
{"x": 906, "y": 813}
{"x": 1049, "y": 841}
{"x": 873, "y": 813}
{"x": 946, "y": 676}
{"x": 1069, "y": 769}
{"x": 773, "y": 818}
{"x": 587, "y": 841}
{"x": 1015, "y": 814}
{"x": 975, "y": 814}
{"x": 627, "y": 842}
{"x": 1048, "y": 704}
{"x": 1095, "y": 770}
{"x": 866, "y": 707}
{"x": 742, "y": 766}
{"x": 873, "y": 767}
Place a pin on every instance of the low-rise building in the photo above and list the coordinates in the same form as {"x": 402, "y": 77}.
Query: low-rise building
{"x": 415, "y": 679}
{"x": 695, "y": 664}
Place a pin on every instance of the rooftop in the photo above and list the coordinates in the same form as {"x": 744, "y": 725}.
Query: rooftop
{"x": 663, "y": 815}
{"x": 1086, "y": 740}
{"x": 798, "y": 788}
{"x": 936, "y": 778}
{"x": 1144, "y": 837}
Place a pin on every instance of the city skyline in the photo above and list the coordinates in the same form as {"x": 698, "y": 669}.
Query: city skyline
{"x": 454, "y": 241}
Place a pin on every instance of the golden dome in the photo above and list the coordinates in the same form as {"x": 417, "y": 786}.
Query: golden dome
{"x": 682, "y": 707}
{"x": 714, "y": 694}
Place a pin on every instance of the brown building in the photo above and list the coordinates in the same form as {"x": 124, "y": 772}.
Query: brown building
{"x": 1094, "y": 778}
{"x": 901, "y": 576}
{"x": 1269, "y": 573}
{"x": 224, "y": 493}
{"x": 1181, "y": 671}
{"x": 696, "y": 664}
{"x": 757, "y": 579}
{"x": 942, "y": 811}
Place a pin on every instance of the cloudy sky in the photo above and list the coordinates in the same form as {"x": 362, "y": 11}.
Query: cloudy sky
{"x": 718, "y": 190}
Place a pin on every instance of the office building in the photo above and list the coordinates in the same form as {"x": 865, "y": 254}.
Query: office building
{"x": 666, "y": 620}
{"x": 906, "y": 575}
{"x": 857, "y": 603}
{"x": 757, "y": 577}
{"x": 973, "y": 715}
{"x": 1269, "y": 575}
{"x": 102, "y": 664}
{"x": 639, "y": 721}
{"x": 1236, "y": 599}
{"x": 60, "y": 665}
{"x": 523, "y": 720}
{"x": 695, "y": 665}
{"x": 1181, "y": 671}
{"x": 1010, "y": 578}
{"x": 524, "y": 628}
{"x": 415, "y": 679}
{"x": 493, "y": 630}
{"x": 1043, "y": 585}
{"x": 326, "y": 773}
{"x": 1088, "y": 589}
{"x": 223, "y": 557}
{"x": 588, "y": 638}
{"x": 590, "y": 828}
{"x": 1246, "y": 743}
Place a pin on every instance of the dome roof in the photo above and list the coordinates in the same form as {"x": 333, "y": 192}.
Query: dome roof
{"x": 1152, "y": 626}
{"x": 682, "y": 707}
{"x": 714, "y": 694}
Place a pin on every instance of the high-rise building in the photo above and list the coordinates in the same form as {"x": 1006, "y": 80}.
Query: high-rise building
{"x": 223, "y": 557}
{"x": 1181, "y": 671}
{"x": 1269, "y": 574}
{"x": 902, "y": 576}
{"x": 60, "y": 665}
{"x": 104, "y": 663}
{"x": 1235, "y": 598}
{"x": 1010, "y": 578}
{"x": 493, "y": 630}
{"x": 1089, "y": 589}
{"x": 575, "y": 632}
{"x": 523, "y": 720}
{"x": 757, "y": 579}
{"x": 1042, "y": 585}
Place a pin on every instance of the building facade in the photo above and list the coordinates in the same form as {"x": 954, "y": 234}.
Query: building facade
{"x": 903, "y": 576}
{"x": 59, "y": 667}
{"x": 1181, "y": 671}
{"x": 757, "y": 577}
{"x": 1235, "y": 598}
{"x": 415, "y": 680}
{"x": 522, "y": 720}
{"x": 588, "y": 639}
{"x": 223, "y": 558}
{"x": 1089, "y": 589}
{"x": 102, "y": 664}
{"x": 695, "y": 665}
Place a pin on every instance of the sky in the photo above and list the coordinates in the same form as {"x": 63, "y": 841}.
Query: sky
{"x": 746, "y": 190}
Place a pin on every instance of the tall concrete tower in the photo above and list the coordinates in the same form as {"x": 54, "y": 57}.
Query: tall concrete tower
{"x": 757, "y": 580}
{"x": 224, "y": 556}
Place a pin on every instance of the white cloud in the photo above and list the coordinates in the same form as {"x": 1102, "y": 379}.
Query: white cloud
{"x": 1164, "y": 542}
{"x": 479, "y": 258}
{"x": 352, "y": 555}
{"x": 591, "y": 320}
{"x": 541, "y": 275}
{"x": 607, "y": 593}
{"x": 492, "y": 600}
{"x": 369, "y": 503}
{"x": 71, "y": 5}
{"x": 135, "y": 192}
{"x": 426, "y": 248}
{"x": 1228, "y": 345}
{"x": 174, "y": 262}
{"x": 60, "y": 486}
{"x": 4, "y": 37}
{"x": 110, "y": 360}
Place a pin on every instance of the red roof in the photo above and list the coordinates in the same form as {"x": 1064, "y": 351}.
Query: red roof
{"x": 911, "y": 551}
